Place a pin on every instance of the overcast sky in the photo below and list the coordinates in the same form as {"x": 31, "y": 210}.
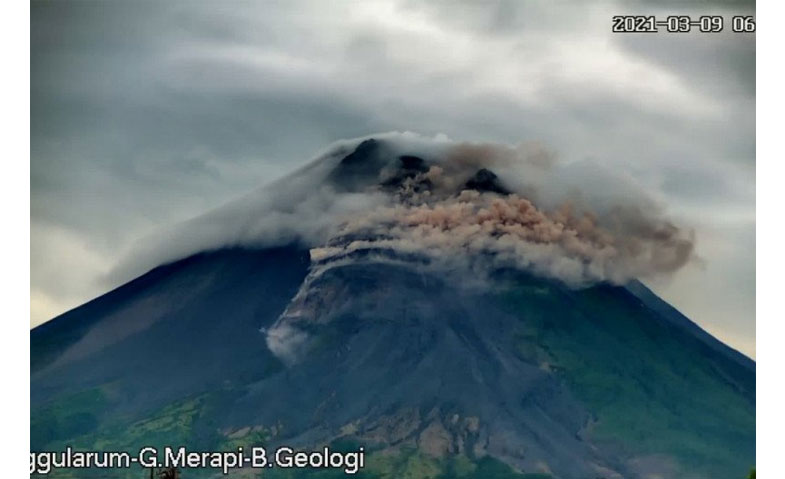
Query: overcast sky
{"x": 146, "y": 114}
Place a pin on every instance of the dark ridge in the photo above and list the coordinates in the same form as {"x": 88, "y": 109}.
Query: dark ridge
{"x": 486, "y": 181}
{"x": 361, "y": 153}
{"x": 359, "y": 168}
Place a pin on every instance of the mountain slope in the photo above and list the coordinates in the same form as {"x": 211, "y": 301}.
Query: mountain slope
{"x": 399, "y": 295}
{"x": 542, "y": 377}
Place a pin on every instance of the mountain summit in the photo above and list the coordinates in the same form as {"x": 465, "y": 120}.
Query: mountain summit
{"x": 448, "y": 307}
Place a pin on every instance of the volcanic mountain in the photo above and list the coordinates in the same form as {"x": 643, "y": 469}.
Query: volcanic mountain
{"x": 409, "y": 298}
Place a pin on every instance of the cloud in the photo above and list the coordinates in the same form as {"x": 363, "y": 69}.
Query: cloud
{"x": 145, "y": 115}
{"x": 441, "y": 199}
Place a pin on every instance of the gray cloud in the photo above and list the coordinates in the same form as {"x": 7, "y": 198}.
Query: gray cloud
{"x": 146, "y": 114}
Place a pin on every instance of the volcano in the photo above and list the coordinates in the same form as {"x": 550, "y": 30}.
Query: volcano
{"x": 438, "y": 361}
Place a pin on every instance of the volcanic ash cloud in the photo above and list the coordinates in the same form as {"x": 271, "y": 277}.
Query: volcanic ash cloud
{"x": 458, "y": 213}
{"x": 454, "y": 204}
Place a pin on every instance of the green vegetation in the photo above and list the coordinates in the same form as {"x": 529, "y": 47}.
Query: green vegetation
{"x": 71, "y": 416}
{"x": 180, "y": 423}
{"x": 640, "y": 378}
{"x": 185, "y": 422}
